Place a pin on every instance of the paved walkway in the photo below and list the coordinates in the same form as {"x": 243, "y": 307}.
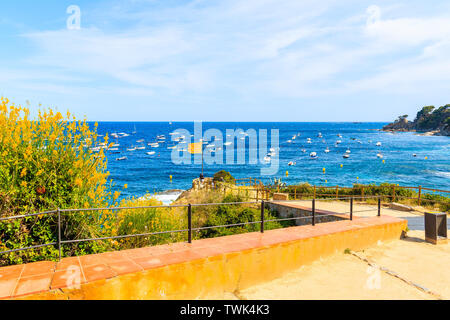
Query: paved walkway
{"x": 344, "y": 276}
{"x": 415, "y": 218}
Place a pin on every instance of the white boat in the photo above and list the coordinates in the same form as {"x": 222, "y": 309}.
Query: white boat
{"x": 267, "y": 159}
{"x": 339, "y": 135}
{"x": 414, "y": 155}
{"x": 378, "y": 144}
{"x": 227, "y": 143}
{"x": 327, "y": 150}
{"x": 338, "y": 142}
{"x": 131, "y": 149}
{"x": 348, "y": 151}
{"x": 346, "y": 156}
{"x": 140, "y": 148}
{"x": 313, "y": 155}
{"x": 289, "y": 141}
{"x": 304, "y": 150}
{"x": 122, "y": 159}
{"x": 379, "y": 155}
{"x": 114, "y": 149}
{"x": 320, "y": 135}
{"x": 140, "y": 141}
{"x": 116, "y": 145}
{"x": 154, "y": 145}
{"x": 115, "y": 135}
{"x": 151, "y": 153}
{"x": 291, "y": 163}
{"x": 171, "y": 148}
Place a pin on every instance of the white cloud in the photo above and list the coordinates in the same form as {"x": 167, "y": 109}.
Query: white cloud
{"x": 254, "y": 48}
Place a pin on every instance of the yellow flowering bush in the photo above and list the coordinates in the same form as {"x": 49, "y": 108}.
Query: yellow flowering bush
{"x": 149, "y": 220}
{"x": 47, "y": 163}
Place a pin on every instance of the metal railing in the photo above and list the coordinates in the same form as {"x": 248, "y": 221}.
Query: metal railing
{"x": 262, "y": 192}
{"x": 190, "y": 229}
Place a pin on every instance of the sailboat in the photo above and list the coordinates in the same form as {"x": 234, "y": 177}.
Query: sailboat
{"x": 134, "y": 131}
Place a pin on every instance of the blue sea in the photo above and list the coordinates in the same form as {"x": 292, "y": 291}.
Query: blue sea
{"x": 146, "y": 174}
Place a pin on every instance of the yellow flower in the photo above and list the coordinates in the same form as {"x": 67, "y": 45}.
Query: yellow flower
{"x": 116, "y": 195}
{"x": 23, "y": 173}
{"x": 24, "y": 184}
{"x": 130, "y": 224}
{"x": 125, "y": 186}
{"x": 78, "y": 182}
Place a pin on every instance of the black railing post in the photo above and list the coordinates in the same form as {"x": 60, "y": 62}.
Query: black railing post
{"x": 351, "y": 208}
{"x": 379, "y": 207}
{"x": 190, "y": 223}
{"x": 262, "y": 216}
{"x": 314, "y": 212}
{"x": 59, "y": 233}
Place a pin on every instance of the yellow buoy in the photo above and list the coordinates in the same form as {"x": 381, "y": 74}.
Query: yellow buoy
{"x": 426, "y": 158}
{"x": 383, "y": 161}
{"x": 324, "y": 170}
{"x": 342, "y": 165}
{"x": 326, "y": 181}
{"x": 287, "y": 173}
{"x": 171, "y": 178}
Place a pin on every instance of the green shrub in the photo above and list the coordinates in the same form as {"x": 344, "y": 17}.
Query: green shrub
{"x": 224, "y": 176}
{"x": 237, "y": 214}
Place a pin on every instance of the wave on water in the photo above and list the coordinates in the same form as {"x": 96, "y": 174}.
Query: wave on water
{"x": 167, "y": 197}
{"x": 444, "y": 174}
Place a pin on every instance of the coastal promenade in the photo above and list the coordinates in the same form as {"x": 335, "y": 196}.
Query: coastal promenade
{"x": 407, "y": 268}
{"x": 201, "y": 270}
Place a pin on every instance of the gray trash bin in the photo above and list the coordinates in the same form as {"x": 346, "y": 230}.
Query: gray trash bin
{"x": 435, "y": 227}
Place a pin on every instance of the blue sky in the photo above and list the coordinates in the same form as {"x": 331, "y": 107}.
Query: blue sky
{"x": 246, "y": 60}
